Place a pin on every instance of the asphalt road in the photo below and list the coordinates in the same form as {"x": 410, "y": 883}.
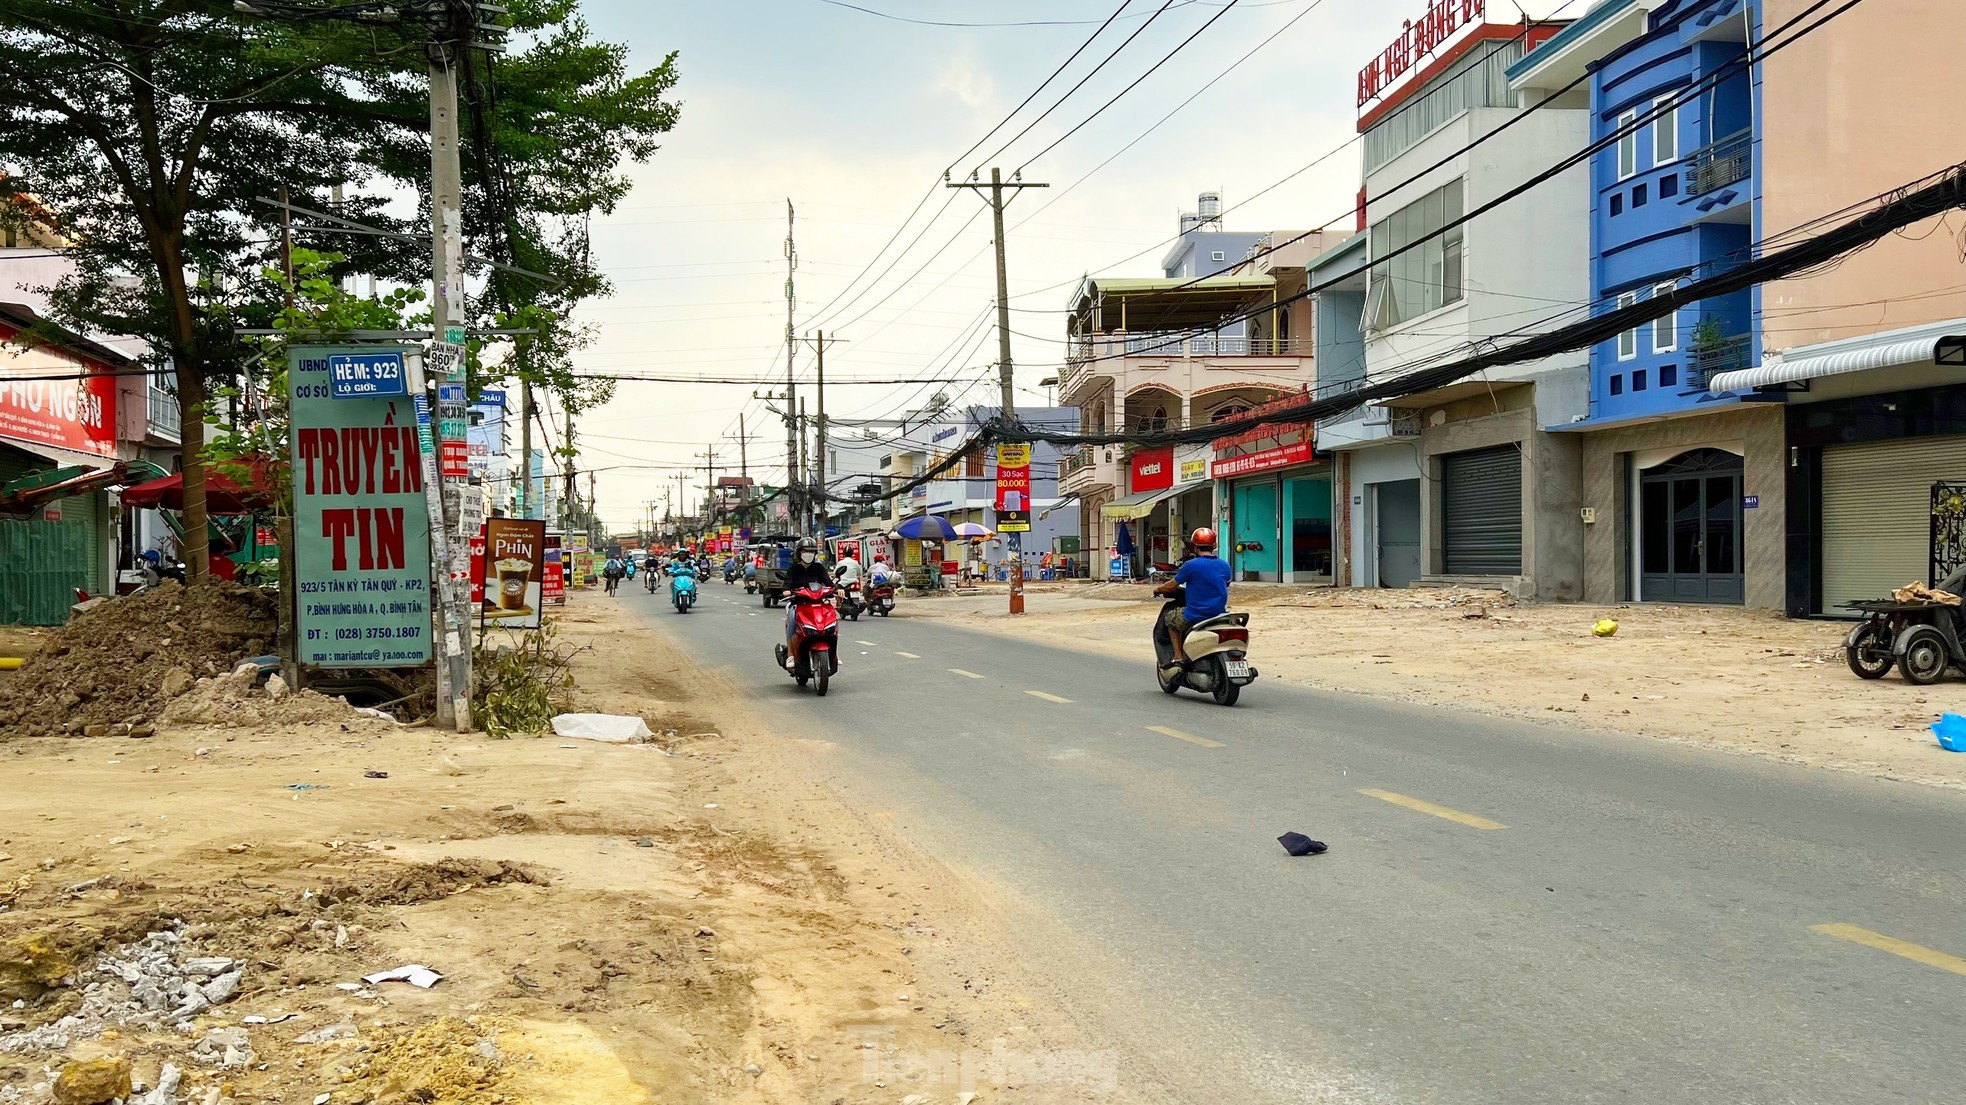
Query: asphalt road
{"x": 1508, "y": 913}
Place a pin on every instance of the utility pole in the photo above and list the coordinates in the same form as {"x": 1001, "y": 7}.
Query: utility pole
{"x": 709, "y": 456}
{"x": 996, "y": 188}
{"x": 793, "y": 436}
{"x": 819, "y": 343}
{"x": 522, "y": 506}
{"x": 744, "y": 473}
{"x": 571, "y": 495}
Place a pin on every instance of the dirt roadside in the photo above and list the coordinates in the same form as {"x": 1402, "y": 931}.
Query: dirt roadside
{"x": 693, "y": 920}
{"x": 1738, "y": 680}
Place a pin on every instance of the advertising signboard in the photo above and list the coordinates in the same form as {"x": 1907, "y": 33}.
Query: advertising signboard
{"x": 554, "y": 577}
{"x": 1151, "y": 470}
{"x": 1013, "y": 503}
{"x": 361, "y": 523}
{"x": 1283, "y": 456}
{"x": 513, "y": 573}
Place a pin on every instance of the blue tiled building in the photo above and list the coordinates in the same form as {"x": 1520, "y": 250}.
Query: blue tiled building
{"x": 1675, "y": 474}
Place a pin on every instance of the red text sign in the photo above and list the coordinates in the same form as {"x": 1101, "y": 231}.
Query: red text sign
{"x": 1283, "y": 456}
{"x": 1442, "y": 21}
{"x": 1151, "y": 470}
{"x": 78, "y": 415}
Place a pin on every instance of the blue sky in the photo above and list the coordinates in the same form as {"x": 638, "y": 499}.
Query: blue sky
{"x": 854, "y": 117}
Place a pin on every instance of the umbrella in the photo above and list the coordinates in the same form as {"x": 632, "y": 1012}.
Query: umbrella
{"x": 928, "y": 527}
{"x": 223, "y": 495}
{"x": 973, "y": 529}
{"x": 1124, "y": 543}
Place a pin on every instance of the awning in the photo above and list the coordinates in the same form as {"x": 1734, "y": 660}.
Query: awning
{"x": 1914, "y": 348}
{"x": 223, "y": 493}
{"x": 38, "y": 488}
{"x": 1139, "y": 504}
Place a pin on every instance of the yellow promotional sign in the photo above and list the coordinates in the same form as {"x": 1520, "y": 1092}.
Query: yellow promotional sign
{"x": 1016, "y": 455}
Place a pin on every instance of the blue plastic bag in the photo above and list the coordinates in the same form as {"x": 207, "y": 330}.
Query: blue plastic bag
{"x": 1951, "y": 731}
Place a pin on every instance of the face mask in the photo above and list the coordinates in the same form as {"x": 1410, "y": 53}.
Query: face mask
{"x": 809, "y": 557}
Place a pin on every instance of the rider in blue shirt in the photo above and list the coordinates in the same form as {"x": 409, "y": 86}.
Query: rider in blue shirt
{"x": 1207, "y": 581}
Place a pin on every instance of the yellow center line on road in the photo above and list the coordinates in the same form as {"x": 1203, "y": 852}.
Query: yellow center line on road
{"x": 1180, "y": 736}
{"x": 964, "y": 674}
{"x": 1471, "y": 820}
{"x": 1917, "y": 953}
{"x": 1048, "y": 697}
{"x": 909, "y": 655}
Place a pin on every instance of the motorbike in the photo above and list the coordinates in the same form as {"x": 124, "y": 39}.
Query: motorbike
{"x": 730, "y": 573}
{"x": 682, "y": 589}
{"x": 814, "y": 648}
{"x": 652, "y": 576}
{"x": 880, "y": 599}
{"x": 751, "y": 582}
{"x": 1217, "y": 651}
{"x": 851, "y": 604}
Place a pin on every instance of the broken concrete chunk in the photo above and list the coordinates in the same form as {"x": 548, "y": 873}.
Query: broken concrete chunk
{"x": 343, "y": 1031}
{"x": 221, "y": 989}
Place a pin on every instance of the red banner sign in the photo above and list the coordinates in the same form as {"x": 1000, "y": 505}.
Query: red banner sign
{"x": 478, "y": 567}
{"x": 1283, "y": 456}
{"x": 78, "y": 415}
{"x": 1151, "y": 470}
{"x": 456, "y": 458}
{"x": 553, "y": 585}
{"x": 1442, "y": 21}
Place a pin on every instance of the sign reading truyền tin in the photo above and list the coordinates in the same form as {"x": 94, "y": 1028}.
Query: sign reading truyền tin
{"x": 361, "y": 527}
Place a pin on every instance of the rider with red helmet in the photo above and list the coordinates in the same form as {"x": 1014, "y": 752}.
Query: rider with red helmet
{"x": 1206, "y": 579}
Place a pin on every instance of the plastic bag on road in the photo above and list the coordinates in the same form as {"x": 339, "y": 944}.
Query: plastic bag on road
{"x": 612, "y": 728}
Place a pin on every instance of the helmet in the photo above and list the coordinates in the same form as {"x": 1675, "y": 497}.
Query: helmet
{"x": 1203, "y": 539}
{"x": 880, "y": 558}
{"x": 807, "y": 544}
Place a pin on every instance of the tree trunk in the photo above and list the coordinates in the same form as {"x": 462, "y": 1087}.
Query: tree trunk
{"x": 169, "y": 250}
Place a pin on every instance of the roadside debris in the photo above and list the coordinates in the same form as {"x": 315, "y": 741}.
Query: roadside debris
{"x": 150, "y": 983}
{"x": 1297, "y": 844}
{"x": 1605, "y": 627}
{"x": 1918, "y": 592}
{"x": 610, "y": 728}
{"x": 416, "y": 974}
{"x": 1951, "y": 731}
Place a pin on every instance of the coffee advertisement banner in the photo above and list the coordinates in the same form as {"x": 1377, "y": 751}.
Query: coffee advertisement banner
{"x": 514, "y": 569}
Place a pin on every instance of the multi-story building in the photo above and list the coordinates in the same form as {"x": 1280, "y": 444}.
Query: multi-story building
{"x": 967, "y": 493}
{"x": 1683, "y": 483}
{"x": 1180, "y": 351}
{"x": 1461, "y": 482}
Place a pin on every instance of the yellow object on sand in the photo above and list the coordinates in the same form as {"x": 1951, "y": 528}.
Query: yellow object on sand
{"x": 10, "y": 663}
{"x": 1604, "y": 628}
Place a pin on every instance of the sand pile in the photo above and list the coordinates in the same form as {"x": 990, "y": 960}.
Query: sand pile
{"x": 115, "y": 665}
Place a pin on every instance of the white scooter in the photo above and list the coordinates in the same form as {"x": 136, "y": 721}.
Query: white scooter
{"x": 1217, "y": 651}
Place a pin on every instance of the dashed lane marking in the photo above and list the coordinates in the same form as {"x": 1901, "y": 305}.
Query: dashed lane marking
{"x": 964, "y": 674}
{"x": 1048, "y": 697}
{"x": 1180, "y": 736}
{"x": 1473, "y": 821}
{"x": 1917, "y": 953}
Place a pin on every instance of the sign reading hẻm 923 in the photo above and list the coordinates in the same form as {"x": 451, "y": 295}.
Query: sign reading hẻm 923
{"x": 361, "y": 522}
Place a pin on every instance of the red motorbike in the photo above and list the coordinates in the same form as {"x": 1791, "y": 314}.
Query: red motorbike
{"x": 880, "y": 599}
{"x": 814, "y": 650}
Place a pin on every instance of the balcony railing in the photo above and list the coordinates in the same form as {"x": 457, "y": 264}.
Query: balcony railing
{"x": 1213, "y": 345}
{"x": 1730, "y": 355}
{"x": 1721, "y": 163}
{"x": 1072, "y": 462}
{"x": 164, "y": 415}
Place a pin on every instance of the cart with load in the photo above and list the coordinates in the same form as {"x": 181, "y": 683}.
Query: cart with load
{"x": 1918, "y": 630}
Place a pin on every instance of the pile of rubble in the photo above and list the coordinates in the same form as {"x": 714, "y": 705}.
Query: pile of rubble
{"x": 111, "y": 669}
{"x": 150, "y": 984}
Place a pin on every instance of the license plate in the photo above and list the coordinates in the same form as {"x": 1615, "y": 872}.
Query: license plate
{"x": 1238, "y": 669}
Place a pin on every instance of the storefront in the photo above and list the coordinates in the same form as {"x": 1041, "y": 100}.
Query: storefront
{"x": 1146, "y": 510}
{"x": 1277, "y": 491}
{"x": 58, "y": 456}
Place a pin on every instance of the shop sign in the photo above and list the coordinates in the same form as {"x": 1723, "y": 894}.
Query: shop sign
{"x": 1151, "y": 470}
{"x": 511, "y": 575}
{"x": 1443, "y": 21}
{"x": 361, "y": 524}
{"x": 1264, "y": 460}
{"x": 1193, "y": 470}
{"x": 78, "y": 415}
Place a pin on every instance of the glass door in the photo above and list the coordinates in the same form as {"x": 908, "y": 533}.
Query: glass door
{"x": 1689, "y": 529}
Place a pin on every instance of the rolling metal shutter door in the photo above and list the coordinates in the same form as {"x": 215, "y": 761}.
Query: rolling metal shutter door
{"x": 1877, "y": 514}
{"x": 1482, "y": 512}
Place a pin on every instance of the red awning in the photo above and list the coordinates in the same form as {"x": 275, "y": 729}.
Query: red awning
{"x": 223, "y": 495}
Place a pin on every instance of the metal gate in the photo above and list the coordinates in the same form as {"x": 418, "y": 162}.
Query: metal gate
{"x": 1948, "y": 530}
{"x": 1482, "y": 512}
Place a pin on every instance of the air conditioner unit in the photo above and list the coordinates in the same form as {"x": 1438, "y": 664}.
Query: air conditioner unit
{"x": 1405, "y": 426}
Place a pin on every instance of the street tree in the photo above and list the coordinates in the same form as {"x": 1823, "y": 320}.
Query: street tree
{"x": 153, "y": 130}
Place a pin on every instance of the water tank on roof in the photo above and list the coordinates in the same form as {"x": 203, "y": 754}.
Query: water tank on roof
{"x": 1209, "y": 206}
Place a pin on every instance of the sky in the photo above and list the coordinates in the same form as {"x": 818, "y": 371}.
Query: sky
{"x": 854, "y": 117}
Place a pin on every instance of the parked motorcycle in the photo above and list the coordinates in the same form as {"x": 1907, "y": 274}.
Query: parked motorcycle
{"x": 880, "y": 599}
{"x": 682, "y": 588}
{"x": 814, "y": 648}
{"x": 1217, "y": 651}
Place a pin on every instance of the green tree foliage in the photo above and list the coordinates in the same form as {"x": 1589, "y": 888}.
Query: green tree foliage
{"x": 152, "y": 129}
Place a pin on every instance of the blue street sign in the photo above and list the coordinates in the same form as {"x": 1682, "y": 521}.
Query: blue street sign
{"x": 366, "y": 375}
{"x": 491, "y": 397}
{"x": 1750, "y": 502}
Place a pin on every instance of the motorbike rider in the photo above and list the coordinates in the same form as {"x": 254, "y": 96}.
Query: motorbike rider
{"x": 1207, "y": 581}
{"x": 847, "y": 571}
{"x": 806, "y": 571}
{"x": 880, "y": 573}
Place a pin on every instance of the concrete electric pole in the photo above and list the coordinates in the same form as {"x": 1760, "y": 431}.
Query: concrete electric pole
{"x": 1014, "y": 539}
{"x": 819, "y": 504}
